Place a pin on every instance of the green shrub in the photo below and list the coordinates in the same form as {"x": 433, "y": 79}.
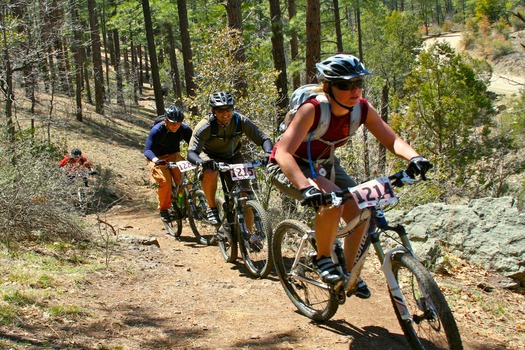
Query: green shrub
{"x": 516, "y": 22}
{"x": 34, "y": 196}
{"x": 499, "y": 47}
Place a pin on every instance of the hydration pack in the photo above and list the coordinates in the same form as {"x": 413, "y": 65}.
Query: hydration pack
{"x": 305, "y": 92}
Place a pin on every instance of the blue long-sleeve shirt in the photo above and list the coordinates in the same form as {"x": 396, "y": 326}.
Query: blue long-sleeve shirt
{"x": 161, "y": 141}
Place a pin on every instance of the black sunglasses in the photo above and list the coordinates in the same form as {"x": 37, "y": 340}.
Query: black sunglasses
{"x": 224, "y": 109}
{"x": 349, "y": 85}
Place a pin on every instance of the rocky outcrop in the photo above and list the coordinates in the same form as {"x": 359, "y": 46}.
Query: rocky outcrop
{"x": 488, "y": 231}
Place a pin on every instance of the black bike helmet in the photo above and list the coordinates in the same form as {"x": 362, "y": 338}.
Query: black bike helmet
{"x": 76, "y": 152}
{"x": 174, "y": 114}
{"x": 219, "y": 99}
{"x": 340, "y": 67}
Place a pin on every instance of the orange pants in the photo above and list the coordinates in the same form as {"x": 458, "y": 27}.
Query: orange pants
{"x": 162, "y": 175}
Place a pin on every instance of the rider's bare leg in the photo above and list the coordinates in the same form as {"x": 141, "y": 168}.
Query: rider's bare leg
{"x": 327, "y": 222}
{"x": 209, "y": 186}
{"x": 351, "y": 245}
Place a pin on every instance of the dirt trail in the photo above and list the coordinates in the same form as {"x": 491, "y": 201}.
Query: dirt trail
{"x": 184, "y": 296}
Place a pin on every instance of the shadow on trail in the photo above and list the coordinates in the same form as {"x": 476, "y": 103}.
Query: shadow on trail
{"x": 370, "y": 337}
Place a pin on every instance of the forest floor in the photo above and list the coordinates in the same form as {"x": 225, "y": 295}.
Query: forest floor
{"x": 182, "y": 295}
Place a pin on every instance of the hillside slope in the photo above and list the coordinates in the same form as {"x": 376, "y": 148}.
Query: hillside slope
{"x": 182, "y": 295}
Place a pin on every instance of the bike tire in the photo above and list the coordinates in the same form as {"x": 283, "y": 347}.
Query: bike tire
{"x": 434, "y": 326}
{"x": 303, "y": 286}
{"x": 226, "y": 239}
{"x": 197, "y": 216}
{"x": 255, "y": 244}
{"x": 174, "y": 227}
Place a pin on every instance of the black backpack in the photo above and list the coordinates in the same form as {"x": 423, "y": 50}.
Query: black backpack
{"x": 157, "y": 120}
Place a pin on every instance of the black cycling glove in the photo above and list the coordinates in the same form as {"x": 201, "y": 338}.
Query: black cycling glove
{"x": 209, "y": 165}
{"x": 160, "y": 162}
{"x": 419, "y": 166}
{"x": 266, "y": 159}
{"x": 312, "y": 197}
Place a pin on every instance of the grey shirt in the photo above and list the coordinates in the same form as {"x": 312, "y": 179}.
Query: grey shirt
{"x": 223, "y": 142}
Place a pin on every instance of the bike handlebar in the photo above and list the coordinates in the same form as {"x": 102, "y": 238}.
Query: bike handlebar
{"x": 222, "y": 166}
{"x": 398, "y": 179}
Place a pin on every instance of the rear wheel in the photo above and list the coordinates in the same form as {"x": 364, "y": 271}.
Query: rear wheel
{"x": 174, "y": 226}
{"x": 433, "y": 325}
{"x": 197, "y": 215}
{"x": 226, "y": 236}
{"x": 255, "y": 243}
{"x": 293, "y": 253}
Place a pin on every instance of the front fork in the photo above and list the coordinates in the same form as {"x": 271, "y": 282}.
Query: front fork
{"x": 386, "y": 266}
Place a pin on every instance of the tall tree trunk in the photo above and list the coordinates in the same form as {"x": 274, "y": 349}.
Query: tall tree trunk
{"x": 118, "y": 68}
{"x": 233, "y": 11}
{"x": 87, "y": 84}
{"x": 140, "y": 68}
{"x": 134, "y": 71}
{"x": 359, "y": 36}
{"x": 175, "y": 77}
{"x": 106, "y": 50}
{"x": 98, "y": 74}
{"x": 159, "y": 101}
{"x": 337, "y": 23}
{"x": 381, "y": 166}
{"x": 313, "y": 38}
{"x": 127, "y": 64}
{"x": 77, "y": 57}
{"x": 7, "y": 85}
{"x": 279, "y": 60}
{"x": 186, "y": 48}
{"x": 294, "y": 44}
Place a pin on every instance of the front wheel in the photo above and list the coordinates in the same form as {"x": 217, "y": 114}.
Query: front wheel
{"x": 293, "y": 252}
{"x": 255, "y": 243}
{"x": 433, "y": 325}
{"x": 197, "y": 215}
{"x": 226, "y": 235}
{"x": 174, "y": 226}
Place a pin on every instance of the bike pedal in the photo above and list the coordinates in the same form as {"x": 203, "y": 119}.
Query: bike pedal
{"x": 341, "y": 297}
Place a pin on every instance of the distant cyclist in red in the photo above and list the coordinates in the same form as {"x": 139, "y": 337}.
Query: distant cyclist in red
{"x": 76, "y": 164}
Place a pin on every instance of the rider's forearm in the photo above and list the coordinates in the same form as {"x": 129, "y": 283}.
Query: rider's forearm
{"x": 289, "y": 167}
{"x": 193, "y": 157}
{"x": 403, "y": 150}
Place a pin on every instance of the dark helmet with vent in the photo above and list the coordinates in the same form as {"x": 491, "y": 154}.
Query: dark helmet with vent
{"x": 174, "y": 114}
{"x": 76, "y": 152}
{"x": 219, "y": 99}
{"x": 340, "y": 67}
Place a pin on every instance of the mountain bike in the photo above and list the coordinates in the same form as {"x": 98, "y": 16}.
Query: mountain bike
{"x": 84, "y": 193}
{"x": 187, "y": 201}
{"x": 245, "y": 223}
{"x": 419, "y": 304}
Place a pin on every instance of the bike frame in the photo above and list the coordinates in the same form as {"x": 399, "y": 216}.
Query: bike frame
{"x": 372, "y": 236}
{"x": 188, "y": 188}
{"x": 233, "y": 197}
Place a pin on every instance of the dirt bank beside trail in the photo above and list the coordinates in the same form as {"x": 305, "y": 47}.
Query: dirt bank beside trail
{"x": 509, "y": 71}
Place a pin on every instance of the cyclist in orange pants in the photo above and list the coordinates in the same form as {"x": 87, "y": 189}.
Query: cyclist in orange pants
{"x": 163, "y": 146}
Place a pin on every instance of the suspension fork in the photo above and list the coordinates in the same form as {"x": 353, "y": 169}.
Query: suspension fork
{"x": 386, "y": 266}
{"x": 304, "y": 239}
{"x": 240, "y": 201}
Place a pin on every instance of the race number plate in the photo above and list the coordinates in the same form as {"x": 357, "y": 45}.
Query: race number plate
{"x": 242, "y": 172}
{"x": 371, "y": 193}
{"x": 185, "y": 165}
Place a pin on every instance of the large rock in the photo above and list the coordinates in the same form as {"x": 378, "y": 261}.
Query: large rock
{"x": 488, "y": 231}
